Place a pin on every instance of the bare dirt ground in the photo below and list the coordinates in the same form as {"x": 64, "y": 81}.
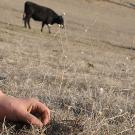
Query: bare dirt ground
{"x": 85, "y": 73}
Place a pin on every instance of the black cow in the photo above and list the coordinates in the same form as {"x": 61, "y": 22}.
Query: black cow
{"x": 39, "y": 13}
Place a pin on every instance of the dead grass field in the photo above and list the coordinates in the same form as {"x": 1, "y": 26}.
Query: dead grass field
{"x": 85, "y": 73}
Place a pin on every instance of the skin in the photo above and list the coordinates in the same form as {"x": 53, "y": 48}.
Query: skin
{"x": 18, "y": 109}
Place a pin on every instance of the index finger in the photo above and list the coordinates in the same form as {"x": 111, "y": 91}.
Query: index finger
{"x": 44, "y": 111}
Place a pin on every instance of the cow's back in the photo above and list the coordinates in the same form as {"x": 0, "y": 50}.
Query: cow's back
{"x": 38, "y": 12}
{"x": 29, "y": 6}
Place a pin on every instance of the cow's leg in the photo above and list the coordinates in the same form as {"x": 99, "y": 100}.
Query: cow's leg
{"x": 25, "y": 23}
{"x": 28, "y": 21}
{"x": 49, "y": 28}
{"x": 49, "y": 23}
{"x": 24, "y": 19}
{"x": 42, "y": 26}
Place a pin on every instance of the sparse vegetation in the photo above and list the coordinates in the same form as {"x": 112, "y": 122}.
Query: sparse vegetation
{"x": 85, "y": 78}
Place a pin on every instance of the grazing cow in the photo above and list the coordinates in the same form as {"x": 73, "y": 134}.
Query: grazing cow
{"x": 39, "y": 13}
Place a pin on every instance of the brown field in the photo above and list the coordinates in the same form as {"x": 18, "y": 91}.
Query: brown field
{"x": 84, "y": 73}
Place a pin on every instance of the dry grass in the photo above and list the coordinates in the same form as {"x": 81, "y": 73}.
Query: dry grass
{"x": 82, "y": 100}
{"x": 88, "y": 84}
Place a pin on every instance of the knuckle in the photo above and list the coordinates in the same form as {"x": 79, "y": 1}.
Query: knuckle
{"x": 33, "y": 100}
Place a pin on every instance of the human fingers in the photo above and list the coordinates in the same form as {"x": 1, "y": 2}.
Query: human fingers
{"x": 31, "y": 119}
{"x": 44, "y": 111}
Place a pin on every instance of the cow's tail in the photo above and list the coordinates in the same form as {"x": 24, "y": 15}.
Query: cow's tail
{"x": 24, "y": 16}
{"x": 24, "y": 13}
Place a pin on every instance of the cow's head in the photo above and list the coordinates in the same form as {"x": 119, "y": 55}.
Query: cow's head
{"x": 60, "y": 21}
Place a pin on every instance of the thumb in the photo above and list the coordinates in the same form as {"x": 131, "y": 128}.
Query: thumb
{"x": 31, "y": 119}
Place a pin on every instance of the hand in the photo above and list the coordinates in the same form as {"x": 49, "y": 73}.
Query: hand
{"x": 17, "y": 109}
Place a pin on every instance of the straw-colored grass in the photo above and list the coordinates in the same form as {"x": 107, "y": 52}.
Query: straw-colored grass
{"x": 88, "y": 84}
